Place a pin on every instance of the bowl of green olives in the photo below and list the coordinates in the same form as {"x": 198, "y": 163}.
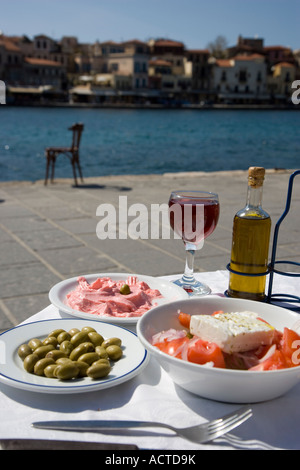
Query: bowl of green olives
{"x": 70, "y": 355}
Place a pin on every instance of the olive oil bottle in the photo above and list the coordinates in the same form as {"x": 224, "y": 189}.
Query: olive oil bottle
{"x": 250, "y": 242}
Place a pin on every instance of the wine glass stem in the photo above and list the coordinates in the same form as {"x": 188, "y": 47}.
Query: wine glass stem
{"x": 188, "y": 275}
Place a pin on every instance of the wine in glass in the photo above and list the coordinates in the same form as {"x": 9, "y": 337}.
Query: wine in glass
{"x": 193, "y": 217}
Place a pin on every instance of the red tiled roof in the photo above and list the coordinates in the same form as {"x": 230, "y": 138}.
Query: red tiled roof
{"x": 284, "y": 64}
{"x": 248, "y": 57}
{"x": 168, "y": 42}
{"x": 160, "y": 62}
{"x": 36, "y": 61}
{"x": 198, "y": 51}
{"x": 270, "y": 48}
{"x": 135, "y": 41}
{"x": 8, "y": 44}
{"x": 224, "y": 62}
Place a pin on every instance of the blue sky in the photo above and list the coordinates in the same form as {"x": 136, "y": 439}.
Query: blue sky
{"x": 194, "y": 22}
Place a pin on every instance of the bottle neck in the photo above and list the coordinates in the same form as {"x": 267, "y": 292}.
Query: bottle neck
{"x": 254, "y": 196}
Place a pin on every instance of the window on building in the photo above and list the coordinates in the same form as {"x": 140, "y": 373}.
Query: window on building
{"x": 242, "y": 76}
{"x": 114, "y": 66}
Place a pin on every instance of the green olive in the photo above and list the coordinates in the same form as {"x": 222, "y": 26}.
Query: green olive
{"x": 30, "y": 361}
{"x": 66, "y": 347}
{"x": 111, "y": 341}
{"x": 66, "y": 355}
{"x": 97, "y": 371}
{"x": 66, "y": 371}
{"x": 114, "y": 352}
{"x": 24, "y": 350}
{"x": 40, "y": 365}
{"x": 35, "y": 343}
{"x": 73, "y": 331}
{"x": 43, "y": 350}
{"x": 125, "y": 289}
{"x": 63, "y": 336}
{"x": 88, "y": 329}
{"x": 50, "y": 340}
{"x": 78, "y": 338}
{"x": 101, "y": 361}
{"x": 63, "y": 360}
{"x": 95, "y": 338}
{"x": 83, "y": 367}
{"x": 56, "y": 354}
{"x": 81, "y": 349}
{"x": 56, "y": 332}
{"x": 101, "y": 351}
{"x": 49, "y": 371}
{"x": 89, "y": 357}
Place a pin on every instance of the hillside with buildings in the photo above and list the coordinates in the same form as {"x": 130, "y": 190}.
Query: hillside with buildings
{"x": 160, "y": 72}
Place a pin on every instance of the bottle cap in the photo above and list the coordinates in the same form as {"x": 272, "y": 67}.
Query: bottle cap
{"x": 256, "y": 175}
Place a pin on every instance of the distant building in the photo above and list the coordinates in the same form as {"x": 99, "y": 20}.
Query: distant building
{"x": 279, "y": 82}
{"x": 246, "y": 46}
{"x": 240, "y": 79}
{"x": 160, "y": 71}
{"x": 43, "y": 72}
{"x": 201, "y": 76}
{"x": 11, "y": 61}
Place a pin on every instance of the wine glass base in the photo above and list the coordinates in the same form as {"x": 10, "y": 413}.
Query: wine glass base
{"x": 195, "y": 288}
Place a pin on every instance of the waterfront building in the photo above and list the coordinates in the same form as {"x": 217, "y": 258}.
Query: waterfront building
{"x": 240, "y": 79}
{"x": 280, "y": 80}
{"x": 201, "y": 75}
{"x": 11, "y": 60}
{"x": 158, "y": 72}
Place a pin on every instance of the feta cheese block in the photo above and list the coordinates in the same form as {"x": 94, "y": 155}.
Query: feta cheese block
{"x": 233, "y": 332}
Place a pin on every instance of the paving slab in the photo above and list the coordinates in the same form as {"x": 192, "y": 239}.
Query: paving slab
{"x": 49, "y": 233}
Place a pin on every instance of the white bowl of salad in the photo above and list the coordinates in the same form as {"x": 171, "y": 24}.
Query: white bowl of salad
{"x": 230, "y": 350}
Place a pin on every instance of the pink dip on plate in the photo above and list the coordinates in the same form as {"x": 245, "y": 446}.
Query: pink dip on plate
{"x": 103, "y": 297}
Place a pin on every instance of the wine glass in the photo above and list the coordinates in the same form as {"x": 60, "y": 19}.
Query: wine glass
{"x": 193, "y": 217}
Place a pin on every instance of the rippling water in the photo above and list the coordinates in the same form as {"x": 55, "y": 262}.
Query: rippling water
{"x": 122, "y": 141}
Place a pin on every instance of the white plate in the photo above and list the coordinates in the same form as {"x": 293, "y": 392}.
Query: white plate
{"x": 12, "y": 372}
{"x": 170, "y": 292}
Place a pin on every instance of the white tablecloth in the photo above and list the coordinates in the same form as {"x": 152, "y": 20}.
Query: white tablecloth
{"x": 153, "y": 396}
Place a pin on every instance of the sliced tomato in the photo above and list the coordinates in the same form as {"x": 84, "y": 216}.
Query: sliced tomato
{"x": 274, "y": 362}
{"x": 217, "y": 312}
{"x": 184, "y": 319}
{"x": 201, "y": 352}
{"x": 289, "y": 345}
{"x": 172, "y": 347}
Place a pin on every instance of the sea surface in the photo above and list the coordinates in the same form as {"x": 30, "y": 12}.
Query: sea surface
{"x": 134, "y": 141}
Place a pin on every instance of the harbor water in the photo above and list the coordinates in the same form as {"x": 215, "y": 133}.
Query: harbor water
{"x": 135, "y": 141}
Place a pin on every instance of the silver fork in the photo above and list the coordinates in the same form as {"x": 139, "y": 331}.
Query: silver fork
{"x": 199, "y": 434}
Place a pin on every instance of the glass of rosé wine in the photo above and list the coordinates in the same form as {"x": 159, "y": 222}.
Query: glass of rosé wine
{"x": 193, "y": 217}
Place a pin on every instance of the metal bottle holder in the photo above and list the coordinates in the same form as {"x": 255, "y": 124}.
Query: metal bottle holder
{"x": 272, "y": 265}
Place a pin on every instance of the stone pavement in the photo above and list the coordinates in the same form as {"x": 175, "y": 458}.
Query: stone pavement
{"x": 48, "y": 233}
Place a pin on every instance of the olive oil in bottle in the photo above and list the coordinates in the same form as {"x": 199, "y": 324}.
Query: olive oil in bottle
{"x": 250, "y": 242}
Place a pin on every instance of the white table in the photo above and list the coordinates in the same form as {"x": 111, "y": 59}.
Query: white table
{"x": 153, "y": 396}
